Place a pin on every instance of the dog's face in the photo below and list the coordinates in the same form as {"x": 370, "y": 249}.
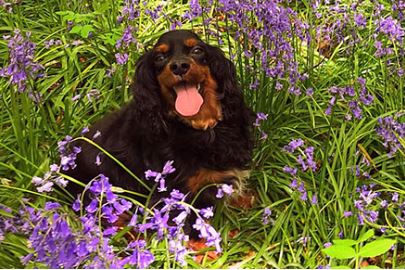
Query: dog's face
{"x": 182, "y": 64}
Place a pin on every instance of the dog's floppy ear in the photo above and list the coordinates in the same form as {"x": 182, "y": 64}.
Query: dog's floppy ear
{"x": 147, "y": 103}
{"x": 223, "y": 70}
{"x": 229, "y": 92}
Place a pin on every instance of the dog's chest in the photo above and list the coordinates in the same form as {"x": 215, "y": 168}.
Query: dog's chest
{"x": 219, "y": 147}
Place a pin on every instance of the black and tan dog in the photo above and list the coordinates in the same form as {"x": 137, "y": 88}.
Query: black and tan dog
{"x": 187, "y": 107}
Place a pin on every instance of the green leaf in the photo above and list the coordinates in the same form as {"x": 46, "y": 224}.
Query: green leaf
{"x": 367, "y": 235}
{"x": 63, "y": 13}
{"x": 66, "y": 15}
{"x": 376, "y": 248}
{"x": 86, "y": 29}
{"x": 117, "y": 190}
{"x": 344, "y": 242}
{"x": 6, "y": 214}
{"x": 76, "y": 29}
{"x": 340, "y": 252}
{"x": 342, "y": 267}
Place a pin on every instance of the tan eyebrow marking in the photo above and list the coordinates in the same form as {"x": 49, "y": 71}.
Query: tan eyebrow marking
{"x": 191, "y": 42}
{"x": 163, "y": 48}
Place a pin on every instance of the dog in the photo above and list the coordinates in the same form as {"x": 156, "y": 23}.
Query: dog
{"x": 187, "y": 107}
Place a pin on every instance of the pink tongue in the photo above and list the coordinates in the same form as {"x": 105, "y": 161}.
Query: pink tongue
{"x": 188, "y": 101}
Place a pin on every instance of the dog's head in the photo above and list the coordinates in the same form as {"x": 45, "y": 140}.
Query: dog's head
{"x": 187, "y": 79}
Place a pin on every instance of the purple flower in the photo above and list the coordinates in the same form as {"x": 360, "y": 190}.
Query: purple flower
{"x": 395, "y": 197}
{"x": 310, "y": 92}
{"x": 121, "y": 58}
{"x": 347, "y": 214}
{"x": 384, "y": 204}
{"x": 224, "y": 189}
{"x": 292, "y": 171}
{"x": 195, "y": 9}
{"x": 356, "y": 110}
{"x": 159, "y": 177}
{"x": 260, "y": 117}
{"x": 98, "y": 160}
{"x": 301, "y": 187}
{"x": 310, "y": 162}
{"x": 360, "y": 20}
{"x": 266, "y": 215}
{"x": 37, "y": 181}
{"x": 121, "y": 206}
{"x": 21, "y": 66}
{"x": 207, "y": 212}
{"x": 303, "y": 164}
{"x": 180, "y": 218}
{"x": 76, "y": 97}
{"x": 159, "y": 222}
{"x": 130, "y": 10}
{"x": 49, "y": 43}
{"x": 391, "y": 28}
{"x": 177, "y": 248}
{"x": 314, "y": 199}
{"x": 93, "y": 206}
{"x": 109, "y": 231}
{"x": 208, "y": 232}
{"x": 278, "y": 24}
{"x": 51, "y": 205}
{"x": 304, "y": 196}
{"x": 294, "y": 183}
{"x": 133, "y": 221}
{"x": 401, "y": 72}
{"x": 279, "y": 86}
{"x": 327, "y": 244}
{"x": 155, "y": 13}
{"x": 76, "y": 206}
{"x": 388, "y": 130}
{"x": 46, "y": 187}
{"x": 176, "y": 195}
{"x": 67, "y": 154}
{"x": 294, "y": 144}
{"x": 328, "y": 110}
{"x": 168, "y": 168}
{"x": 176, "y": 25}
{"x": 140, "y": 257}
{"x": 54, "y": 168}
{"x": 263, "y": 135}
{"x": 126, "y": 39}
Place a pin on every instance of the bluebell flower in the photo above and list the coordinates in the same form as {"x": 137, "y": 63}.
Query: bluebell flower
{"x": 224, "y": 189}
{"x": 266, "y": 215}
{"x": 293, "y": 145}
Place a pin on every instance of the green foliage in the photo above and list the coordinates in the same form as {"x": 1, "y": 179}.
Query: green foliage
{"x": 343, "y": 249}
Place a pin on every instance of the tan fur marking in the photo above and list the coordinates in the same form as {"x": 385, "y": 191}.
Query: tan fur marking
{"x": 167, "y": 81}
{"x": 191, "y": 42}
{"x": 162, "y": 48}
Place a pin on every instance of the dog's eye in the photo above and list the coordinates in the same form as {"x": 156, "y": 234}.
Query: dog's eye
{"x": 160, "y": 57}
{"x": 197, "y": 50}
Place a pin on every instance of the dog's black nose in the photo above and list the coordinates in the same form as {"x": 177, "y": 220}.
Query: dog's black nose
{"x": 179, "y": 67}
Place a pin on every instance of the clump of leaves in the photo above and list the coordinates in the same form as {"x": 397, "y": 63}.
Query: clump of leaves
{"x": 355, "y": 250}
